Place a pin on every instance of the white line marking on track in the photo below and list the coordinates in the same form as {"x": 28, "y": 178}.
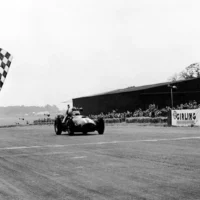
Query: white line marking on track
{"x": 99, "y": 143}
{"x": 42, "y": 154}
{"x": 79, "y": 167}
{"x": 79, "y": 157}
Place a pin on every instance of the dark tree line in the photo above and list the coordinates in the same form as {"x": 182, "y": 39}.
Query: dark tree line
{"x": 22, "y": 110}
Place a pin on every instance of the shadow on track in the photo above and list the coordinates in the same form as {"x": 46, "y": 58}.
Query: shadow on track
{"x": 77, "y": 134}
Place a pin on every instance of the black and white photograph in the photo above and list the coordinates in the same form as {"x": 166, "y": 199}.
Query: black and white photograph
{"x": 100, "y": 100}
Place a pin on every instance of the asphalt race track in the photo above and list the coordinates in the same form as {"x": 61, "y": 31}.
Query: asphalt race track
{"x": 127, "y": 162}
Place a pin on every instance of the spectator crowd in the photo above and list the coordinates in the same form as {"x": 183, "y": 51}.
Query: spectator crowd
{"x": 152, "y": 111}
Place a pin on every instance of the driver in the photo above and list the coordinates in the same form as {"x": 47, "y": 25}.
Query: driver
{"x": 68, "y": 113}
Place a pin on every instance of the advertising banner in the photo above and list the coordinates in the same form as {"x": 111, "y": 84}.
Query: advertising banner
{"x": 186, "y": 117}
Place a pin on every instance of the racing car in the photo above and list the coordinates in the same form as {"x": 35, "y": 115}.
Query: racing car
{"x": 78, "y": 123}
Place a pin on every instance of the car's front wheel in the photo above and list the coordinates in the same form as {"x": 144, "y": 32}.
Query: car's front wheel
{"x": 57, "y": 127}
{"x": 70, "y": 127}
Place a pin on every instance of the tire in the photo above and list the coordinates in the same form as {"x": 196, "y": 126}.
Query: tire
{"x": 70, "y": 128}
{"x": 58, "y": 127}
{"x": 100, "y": 126}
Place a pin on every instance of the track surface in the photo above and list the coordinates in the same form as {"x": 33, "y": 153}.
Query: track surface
{"x": 127, "y": 162}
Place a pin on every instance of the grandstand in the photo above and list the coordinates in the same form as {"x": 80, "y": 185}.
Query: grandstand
{"x": 132, "y": 98}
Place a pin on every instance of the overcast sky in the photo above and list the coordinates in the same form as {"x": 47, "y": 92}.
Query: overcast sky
{"x": 63, "y": 49}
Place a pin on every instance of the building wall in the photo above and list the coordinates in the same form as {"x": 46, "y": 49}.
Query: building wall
{"x": 186, "y": 91}
{"x": 106, "y": 103}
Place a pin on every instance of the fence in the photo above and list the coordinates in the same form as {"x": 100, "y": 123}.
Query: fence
{"x": 115, "y": 120}
{"x": 44, "y": 121}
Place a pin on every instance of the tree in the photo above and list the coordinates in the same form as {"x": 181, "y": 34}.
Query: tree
{"x": 174, "y": 78}
{"x": 192, "y": 71}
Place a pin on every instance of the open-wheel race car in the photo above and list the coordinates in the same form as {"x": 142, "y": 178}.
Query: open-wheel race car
{"x": 78, "y": 123}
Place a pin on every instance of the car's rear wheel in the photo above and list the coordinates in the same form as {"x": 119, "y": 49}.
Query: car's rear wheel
{"x": 57, "y": 127}
{"x": 100, "y": 126}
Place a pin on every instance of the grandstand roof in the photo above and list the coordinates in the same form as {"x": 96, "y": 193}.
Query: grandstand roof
{"x": 137, "y": 88}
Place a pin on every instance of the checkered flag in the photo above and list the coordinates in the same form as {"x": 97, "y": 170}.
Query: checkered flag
{"x": 5, "y": 62}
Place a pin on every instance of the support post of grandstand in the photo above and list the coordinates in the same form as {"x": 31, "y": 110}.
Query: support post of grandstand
{"x": 171, "y": 88}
